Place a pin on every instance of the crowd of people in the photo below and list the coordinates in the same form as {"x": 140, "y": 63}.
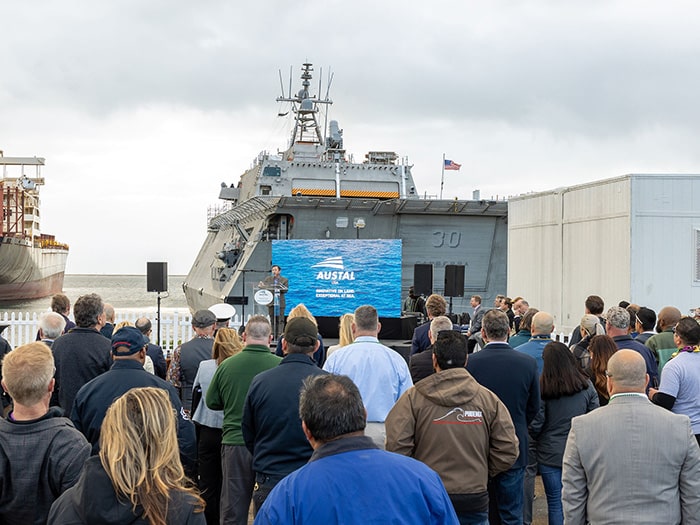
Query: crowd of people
{"x": 552, "y": 384}
{"x": 100, "y": 429}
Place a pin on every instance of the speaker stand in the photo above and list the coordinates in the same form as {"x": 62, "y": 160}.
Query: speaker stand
{"x": 158, "y": 319}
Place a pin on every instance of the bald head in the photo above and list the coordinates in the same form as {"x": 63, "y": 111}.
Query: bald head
{"x": 109, "y": 312}
{"x": 627, "y": 372}
{"x": 668, "y": 317}
{"x": 144, "y": 325}
{"x": 542, "y": 324}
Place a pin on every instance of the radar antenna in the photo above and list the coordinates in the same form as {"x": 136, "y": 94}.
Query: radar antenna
{"x": 305, "y": 107}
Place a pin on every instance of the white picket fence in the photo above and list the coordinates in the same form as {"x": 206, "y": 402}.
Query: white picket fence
{"x": 175, "y": 327}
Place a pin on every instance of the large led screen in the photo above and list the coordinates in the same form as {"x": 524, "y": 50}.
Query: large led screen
{"x": 333, "y": 277}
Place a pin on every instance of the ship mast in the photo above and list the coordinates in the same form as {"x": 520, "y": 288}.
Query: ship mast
{"x": 305, "y": 108}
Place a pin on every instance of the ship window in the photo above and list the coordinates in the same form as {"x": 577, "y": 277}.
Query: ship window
{"x": 265, "y": 190}
{"x": 341, "y": 222}
{"x": 272, "y": 171}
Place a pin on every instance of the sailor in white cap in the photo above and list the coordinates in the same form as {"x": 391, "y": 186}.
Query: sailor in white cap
{"x": 223, "y": 312}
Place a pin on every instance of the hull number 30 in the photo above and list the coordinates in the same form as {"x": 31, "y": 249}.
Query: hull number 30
{"x": 449, "y": 239}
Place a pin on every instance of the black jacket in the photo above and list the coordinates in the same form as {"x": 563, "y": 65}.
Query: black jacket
{"x": 107, "y": 330}
{"x": 5, "y": 348}
{"x": 95, "y": 397}
{"x": 93, "y": 500}
{"x": 513, "y": 377}
{"x": 420, "y": 340}
{"x": 80, "y": 355}
{"x": 421, "y": 365}
{"x": 271, "y": 426}
{"x": 155, "y": 352}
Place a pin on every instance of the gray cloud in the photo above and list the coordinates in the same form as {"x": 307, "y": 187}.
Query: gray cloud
{"x": 173, "y": 97}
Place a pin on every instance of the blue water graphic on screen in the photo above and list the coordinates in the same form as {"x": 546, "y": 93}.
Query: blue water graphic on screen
{"x": 333, "y": 277}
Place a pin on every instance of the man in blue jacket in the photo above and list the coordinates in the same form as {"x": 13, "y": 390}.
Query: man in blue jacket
{"x": 360, "y": 482}
{"x": 94, "y": 398}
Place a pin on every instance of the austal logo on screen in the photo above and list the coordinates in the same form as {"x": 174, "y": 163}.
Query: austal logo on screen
{"x": 337, "y": 271}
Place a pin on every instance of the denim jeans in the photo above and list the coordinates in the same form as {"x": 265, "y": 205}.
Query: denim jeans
{"x": 551, "y": 479}
{"x": 263, "y": 486}
{"x": 473, "y": 518}
{"x": 529, "y": 483}
{"x": 506, "y": 493}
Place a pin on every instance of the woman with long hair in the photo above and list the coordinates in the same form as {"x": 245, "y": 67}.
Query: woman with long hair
{"x": 345, "y": 336}
{"x": 138, "y": 477}
{"x": 601, "y": 348}
{"x": 679, "y": 390}
{"x": 566, "y": 393}
{"x": 210, "y": 422}
{"x": 301, "y": 310}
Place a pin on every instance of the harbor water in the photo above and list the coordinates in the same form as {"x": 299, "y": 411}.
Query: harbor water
{"x": 128, "y": 295}
{"x": 124, "y": 292}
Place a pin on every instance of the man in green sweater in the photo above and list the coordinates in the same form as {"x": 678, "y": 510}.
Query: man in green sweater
{"x": 667, "y": 321}
{"x": 227, "y": 392}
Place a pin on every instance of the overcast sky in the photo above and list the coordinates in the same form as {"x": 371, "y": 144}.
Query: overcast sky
{"x": 143, "y": 107}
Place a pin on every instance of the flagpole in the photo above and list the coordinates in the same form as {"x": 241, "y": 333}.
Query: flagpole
{"x": 442, "y": 179}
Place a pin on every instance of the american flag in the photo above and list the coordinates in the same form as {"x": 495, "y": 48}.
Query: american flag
{"x": 451, "y": 165}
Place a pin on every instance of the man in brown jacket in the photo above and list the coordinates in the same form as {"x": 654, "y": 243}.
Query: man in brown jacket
{"x": 456, "y": 427}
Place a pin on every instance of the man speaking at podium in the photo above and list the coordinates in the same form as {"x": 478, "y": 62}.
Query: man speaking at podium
{"x": 278, "y": 285}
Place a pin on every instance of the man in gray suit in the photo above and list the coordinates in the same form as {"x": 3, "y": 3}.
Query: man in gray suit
{"x": 476, "y": 317}
{"x": 629, "y": 462}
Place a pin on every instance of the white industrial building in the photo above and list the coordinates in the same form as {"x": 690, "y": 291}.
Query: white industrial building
{"x": 633, "y": 238}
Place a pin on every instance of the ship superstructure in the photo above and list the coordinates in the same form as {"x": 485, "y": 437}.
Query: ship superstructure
{"x": 314, "y": 190}
{"x": 32, "y": 263}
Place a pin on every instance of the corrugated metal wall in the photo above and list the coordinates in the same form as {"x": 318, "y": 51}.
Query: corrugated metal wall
{"x": 629, "y": 238}
{"x": 567, "y": 244}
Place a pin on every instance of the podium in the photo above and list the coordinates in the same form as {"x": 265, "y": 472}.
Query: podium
{"x": 275, "y": 303}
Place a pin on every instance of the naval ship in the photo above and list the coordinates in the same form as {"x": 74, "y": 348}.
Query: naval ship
{"x": 32, "y": 263}
{"x": 315, "y": 190}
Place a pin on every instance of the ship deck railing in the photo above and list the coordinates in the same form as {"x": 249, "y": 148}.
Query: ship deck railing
{"x": 258, "y": 207}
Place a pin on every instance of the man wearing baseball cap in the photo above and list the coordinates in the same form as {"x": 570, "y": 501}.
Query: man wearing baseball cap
{"x": 187, "y": 356}
{"x": 271, "y": 425}
{"x": 93, "y": 399}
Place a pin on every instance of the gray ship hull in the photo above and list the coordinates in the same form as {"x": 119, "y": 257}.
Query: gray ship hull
{"x": 29, "y": 272}
{"x": 32, "y": 263}
{"x": 438, "y": 233}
